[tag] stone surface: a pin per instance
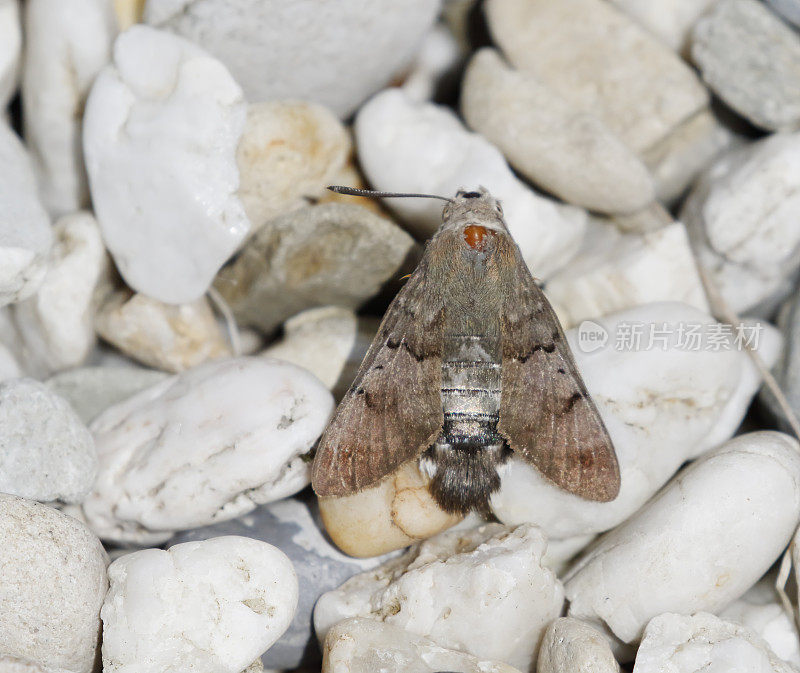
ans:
(787, 368)
(289, 153)
(293, 526)
(57, 323)
(412, 147)
(663, 403)
(10, 49)
(54, 581)
(367, 645)
(204, 446)
(699, 544)
(128, 12)
(788, 9)
(92, 390)
(312, 50)
(320, 340)
(669, 20)
(395, 513)
(214, 605)
(482, 591)
(615, 271)
(164, 336)
(46, 452)
(161, 128)
(760, 611)
(751, 59)
(25, 235)
(703, 643)
(67, 42)
(564, 150)
(743, 218)
(15, 665)
(679, 158)
(604, 64)
(570, 646)
(437, 59)
(325, 254)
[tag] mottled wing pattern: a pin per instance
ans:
(546, 414)
(393, 410)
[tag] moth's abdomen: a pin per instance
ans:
(463, 459)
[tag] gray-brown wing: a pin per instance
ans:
(393, 410)
(546, 414)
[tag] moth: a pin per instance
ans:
(470, 365)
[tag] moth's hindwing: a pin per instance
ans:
(393, 410)
(546, 414)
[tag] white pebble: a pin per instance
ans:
(661, 406)
(615, 271)
(54, 581)
(704, 643)
(743, 217)
(204, 446)
(67, 42)
(367, 645)
(25, 235)
(483, 592)
(214, 605)
(57, 323)
(699, 544)
(10, 49)
(161, 129)
(334, 54)
(46, 452)
(571, 646)
(420, 147)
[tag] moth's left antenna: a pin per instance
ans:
(352, 191)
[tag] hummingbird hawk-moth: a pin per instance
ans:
(469, 365)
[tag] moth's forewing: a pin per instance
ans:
(546, 414)
(393, 410)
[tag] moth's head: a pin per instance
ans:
(477, 215)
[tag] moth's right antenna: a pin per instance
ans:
(352, 191)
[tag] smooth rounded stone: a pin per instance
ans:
(25, 233)
(318, 255)
(54, 582)
(420, 147)
(751, 60)
(564, 150)
(294, 527)
(570, 646)
(57, 323)
(46, 452)
(336, 55)
(289, 153)
(743, 218)
(10, 49)
(703, 643)
(681, 156)
(319, 340)
(67, 42)
(663, 403)
(92, 390)
(760, 611)
(699, 544)
(669, 20)
(172, 337)
(214, 605)
(395, 513)
(368, 645)
(204, 446)
(438, 57)
(604, 64)
(160, 133)
(788, 9)
(481, 591)
(787, 368)
(614, 271)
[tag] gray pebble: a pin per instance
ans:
(788, 9)
(787, 369)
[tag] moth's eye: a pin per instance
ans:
(499, 209)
